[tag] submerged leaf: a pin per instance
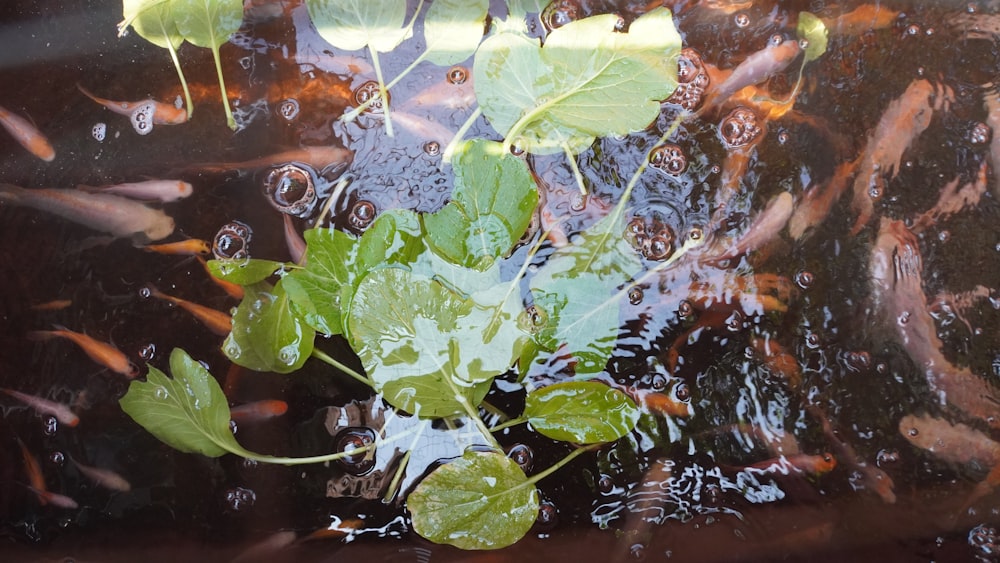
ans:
(587, 81)
(814, 32)
(267, 335)
(189, 412)
(490, 207)
(453, 29)
(479, 501)
(585, 412)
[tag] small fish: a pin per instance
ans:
(869, 476)
(27, 134)
(815, 204)
(44, 406)
(36, 480)
(764, 228)
(953, 199)
(148, 190)
(258, 410)
(319, 158)
(163, 114)
(818, 464)
(103, 477)
(55, 499)
(101, 352)
(54, 305)
(338, 529)
(657, 402)
(459, 94)
(234, 290)
(216, 321)
(119, 216)
(864, 18)
(424, 128)
(296, 246)
(755, 69)
(190, 246)
(778, 360)
(266, 549)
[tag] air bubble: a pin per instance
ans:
(979, 134)
(682, 392)
(913, 432)
(804, 279)
(578, 202)
(232, 242)
(291, 189)
(742, 20)
(740, 127)
(775, 40)
(432, 148)
(147, 351)
(734, 322)
(142, 118)
(783, 137)
(913, 29)
(57, 458)
(903, 318)
(685, 310)
(350, 439)
(458, 75)
(367, 91)
(362, 214)
(635, 295)
(51, 426)
(548, 516)
(886, 457)
(985, 542)
(669, 159)
(523, 456)
(692, 80)
(288, 109)
(516, 150)
(605, 484)
(240, 498)
(559, 13)
(660, 248)
(99, 131)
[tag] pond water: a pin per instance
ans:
(818, 382)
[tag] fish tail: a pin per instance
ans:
(11, 193)
(41, 335)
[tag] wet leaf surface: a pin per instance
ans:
(244, 272)
(453, 30)
(584, 412)
(267, 335)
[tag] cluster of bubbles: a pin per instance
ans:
(240, 498)
(458, 75)
(740, 127)
(99, 131)
(692, 80)
(232, 242)
(366, 92)
(142, 118)
(655, 241)
(669, 159)
(348, 441)
(362, 215)
(985, 543)
(559, 13)
(291, 189)
(288, 109)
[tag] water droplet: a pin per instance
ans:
(635, 295)
(913, 29)
(913, 432)
(605, 484)
(233, 427)
(804, 279)
(742, 20)
(516, 150)
(147, 351)
(669, 159)
(350, 439)
(99, 131)
(903, 318)
(288, 109)
(366, 92)
(523, 456)
(291, 189)
(161, 393)
(232, 242)
(548, 516)
(783, 137)
(432, 148)
(362, 214)
(739, 128)
(775, 40)
(944, 235)
(682, 392)
(979, 134)
(637, 551)
(240, 498)
(57, 458)
(51, 425)
(458, 75)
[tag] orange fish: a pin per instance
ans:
(103, 477)
(234, 290)
(55, 305)
(27, 134)
(44, 406)
(147, 190)
(185, 247)
(296, 245)
(35, 478)
(163, 114)
(101, 352)
(216, 321)
(804, 463)
(258, 410)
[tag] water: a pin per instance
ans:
(781, 351)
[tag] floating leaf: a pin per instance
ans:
(479, 501)
(208, 24)
(490, 207)
(585, 412)
(395, 238)
(317, 290)
(244, 272)
(154, 22)
(814, 32)
(189, 412)
(267, 335)
(453, 30)
(421, 343)
(587, 81)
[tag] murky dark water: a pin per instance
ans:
(787, 349)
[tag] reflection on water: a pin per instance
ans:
(843, 300)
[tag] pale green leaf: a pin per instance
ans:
(812, 29)
(207, 23)
(153, 21)
(585, 412)
(480, 501)
(355, 24)
(453, 30)
(189, 412)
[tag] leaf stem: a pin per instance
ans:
(323, 357)
(570, 457)
(509, 423)
(230, 121)
(320, 458)
(571, 158)
(382, 91)
(459, 135)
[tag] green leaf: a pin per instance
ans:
(479, 501)
(317, 291)
(421, 343)
(585, 412)
(453, 30)
(244, 272)
(355, 24)
(587, 81)
(267, 335)
(154, 22)
(189, 412)
(209, 23)
(490, 207)
(811, 29)
(394, 239)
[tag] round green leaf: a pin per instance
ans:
(207, 23)
(479, 501)
(585, 412)
(814, 32)
(244, 272)
(267, 335)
